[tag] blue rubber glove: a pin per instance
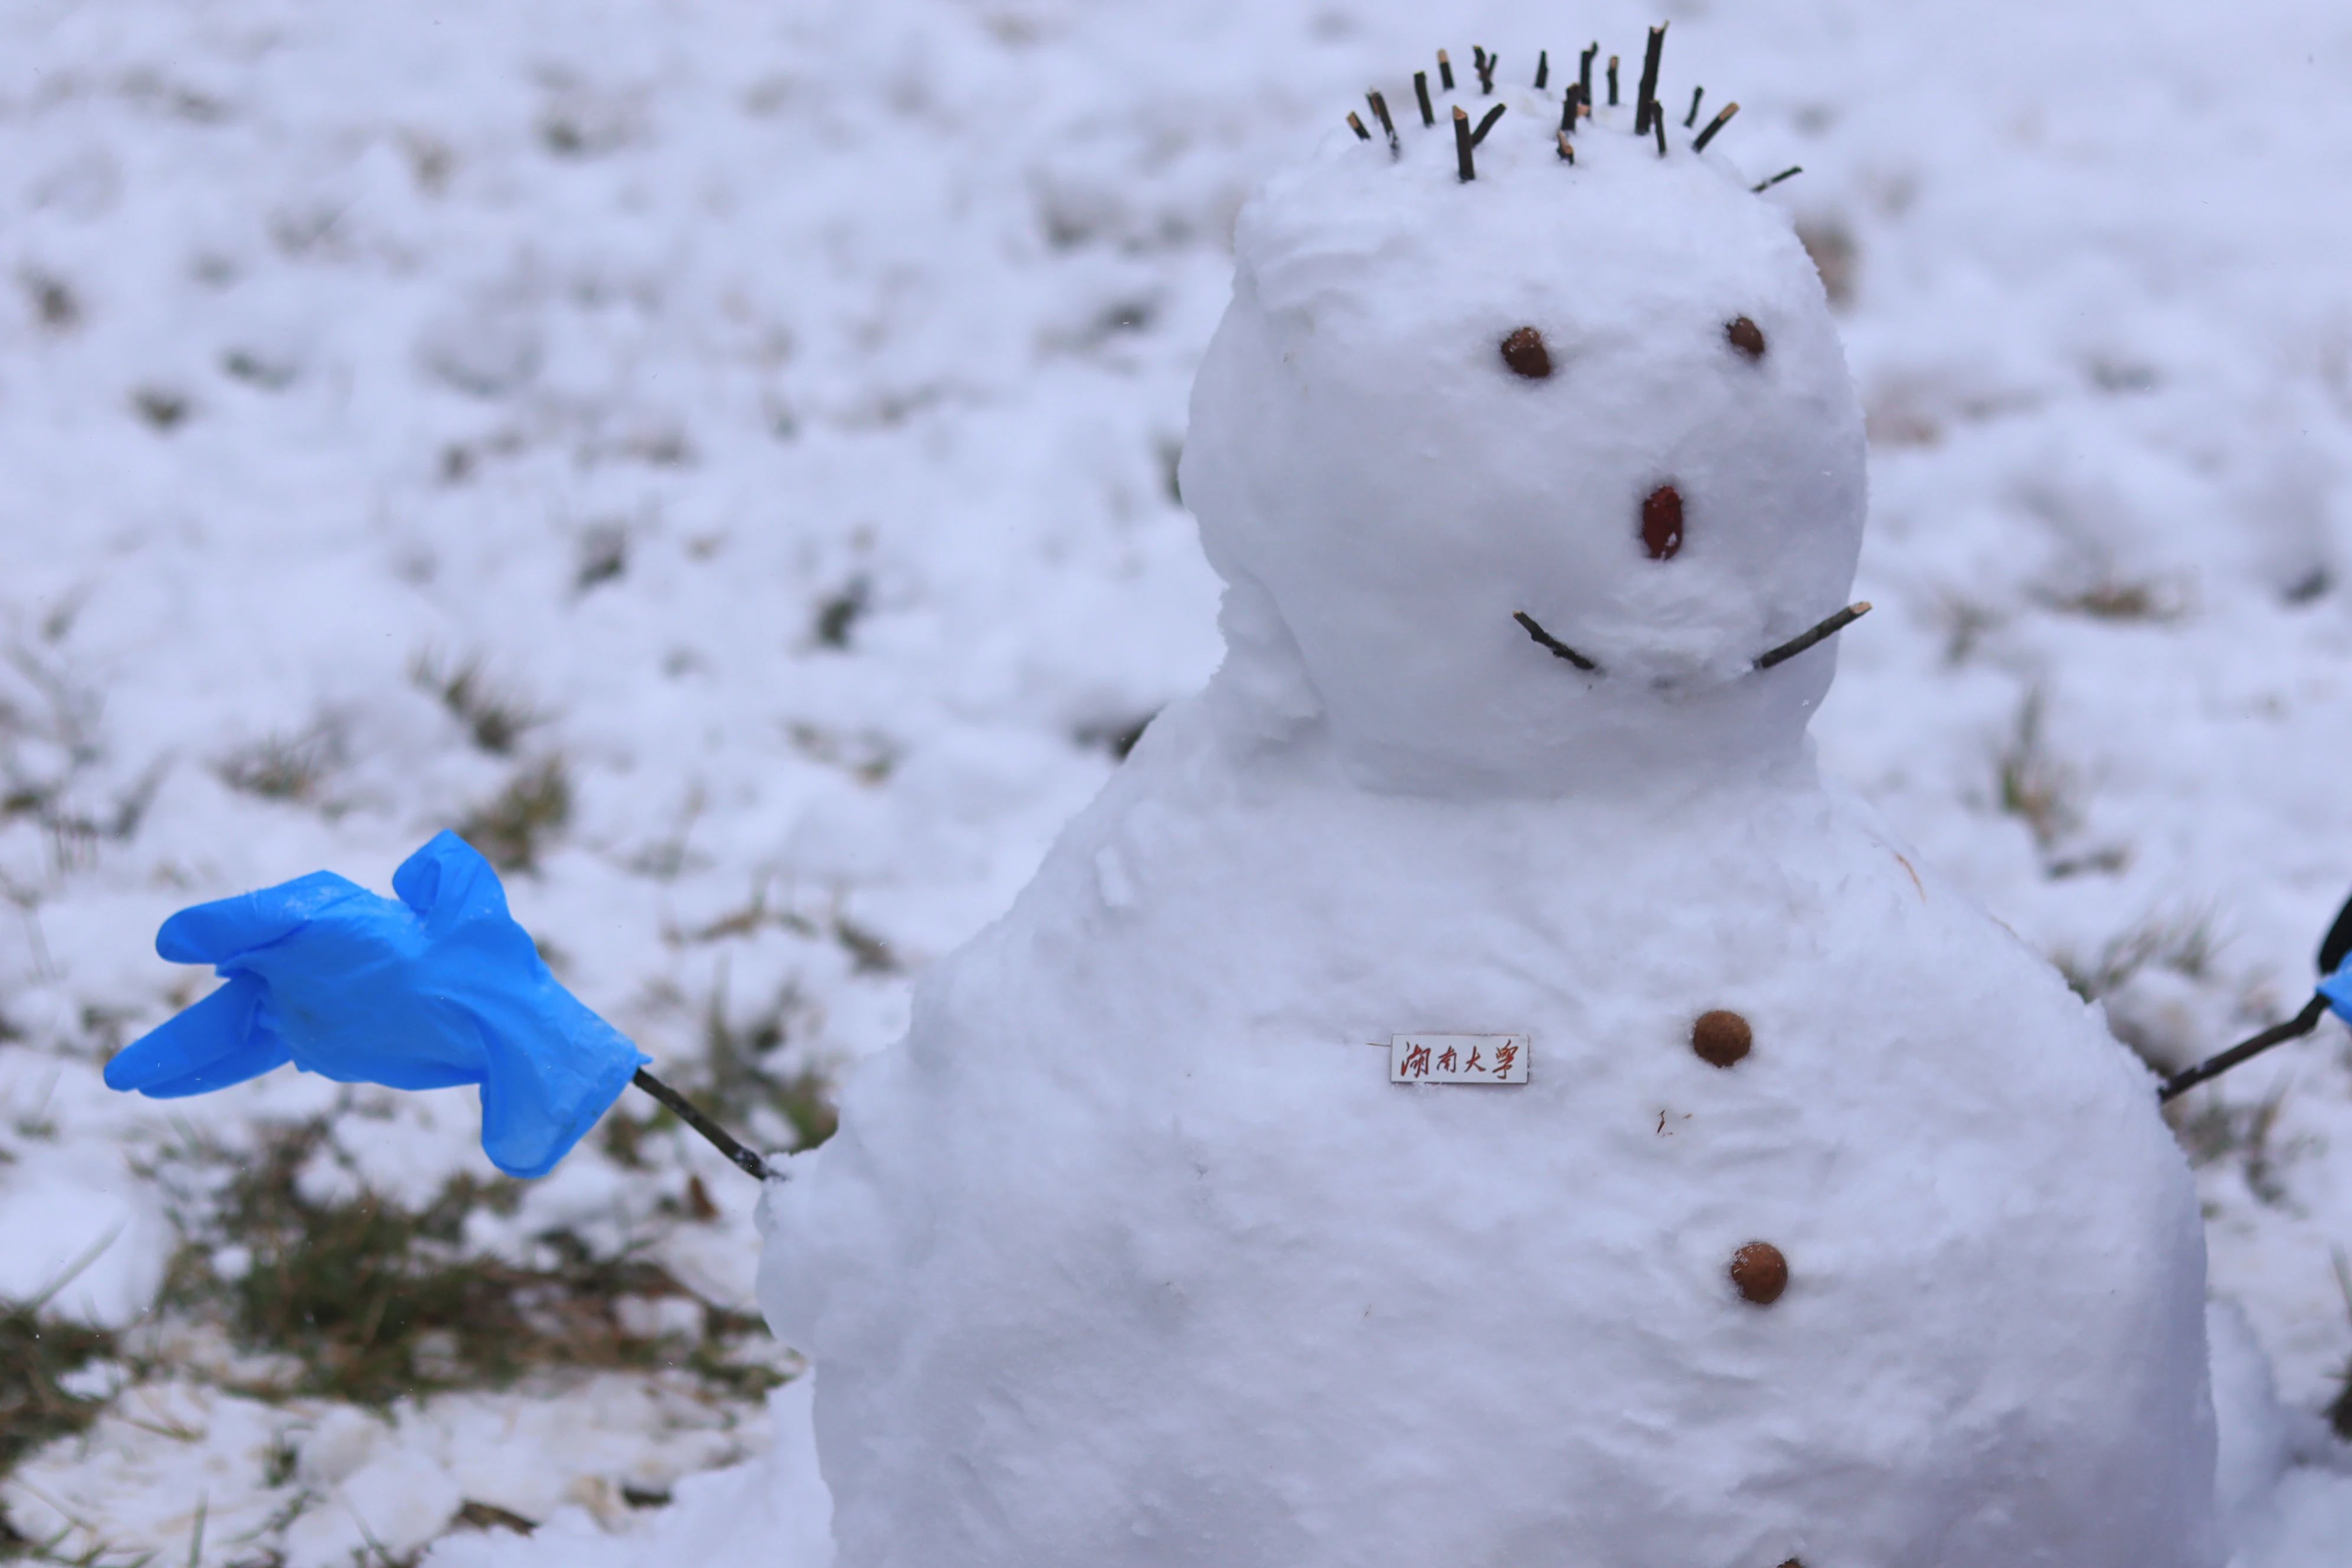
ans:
(440, 988)
(2337, 989)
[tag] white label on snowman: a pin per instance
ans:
(1458, 1059)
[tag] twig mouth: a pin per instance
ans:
(1558, 648)
(1829, 627)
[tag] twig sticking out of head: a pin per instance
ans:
(1584, 74)
(1658, 128)
(1445, 71)
(1822, 633)
(1355, 124)
(1486, 124)
(1486, 70)
(1722, 118)
(1381, 113)
(1790, 172)
(1543, 70)
(1692, 118)
(1612, 81)
(1645, 98)
(1462, 145)
(1566, 151)
(1558, 648)
(1568, 110)
(1421, 91)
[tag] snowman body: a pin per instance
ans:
(1137, 1252)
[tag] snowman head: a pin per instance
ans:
(1593, 399)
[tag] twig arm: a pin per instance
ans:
(2295, 1029)
(688, 1112)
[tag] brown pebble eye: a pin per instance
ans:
(1662, 522)
(1525, 353)
(1747, 337)
(1721, 1038)
(1759, 1273)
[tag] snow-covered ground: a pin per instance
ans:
(723, 455)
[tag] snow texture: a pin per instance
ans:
(776, 407)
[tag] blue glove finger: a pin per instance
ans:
(261, 1052)
(448, 880)
(212, 1040)
(2337, 989)
(554, 1069)
(218, 932)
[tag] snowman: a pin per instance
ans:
(1467, 1092)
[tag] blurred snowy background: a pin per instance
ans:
(719, 457)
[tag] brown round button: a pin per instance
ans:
(1525, 353)
(1747, 337)
(1721, 1038)
(1760, 1272)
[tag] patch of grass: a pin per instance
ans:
(36, 1354)
(736, 1084)
(496, 719)
(285, 767)
(2149, 601)
(2034, 787)
(869, 756)
(869, 952)
(603, 556)
(513, 828)
(164, 409)
(2339, 1409)
(1835, 256)
(838, 617)
(54, 304)
(373, 1301)
(257, 370)
(2184, 943)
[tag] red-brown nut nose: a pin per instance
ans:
(1662, 522)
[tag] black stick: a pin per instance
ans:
(1486, 124)
(1612, 81)
(686, 1112)
(1568, 110)
(1566, 148)
(1692, 118)
(1584, 74)
(1462, 145)
(1381, 113)
(1421, 91)
(1445, 71)
(1658, 128)
(1486, 71)
(1543, 70)
(1790, 172)
(1722, 118)
(2295, 1029)
(1822, 633)
(1355, 124)
(1645, 98)
(1560, 649)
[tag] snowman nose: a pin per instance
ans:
(1662, 522)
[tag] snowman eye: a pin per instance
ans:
(1525, 353)
(1746, 336)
